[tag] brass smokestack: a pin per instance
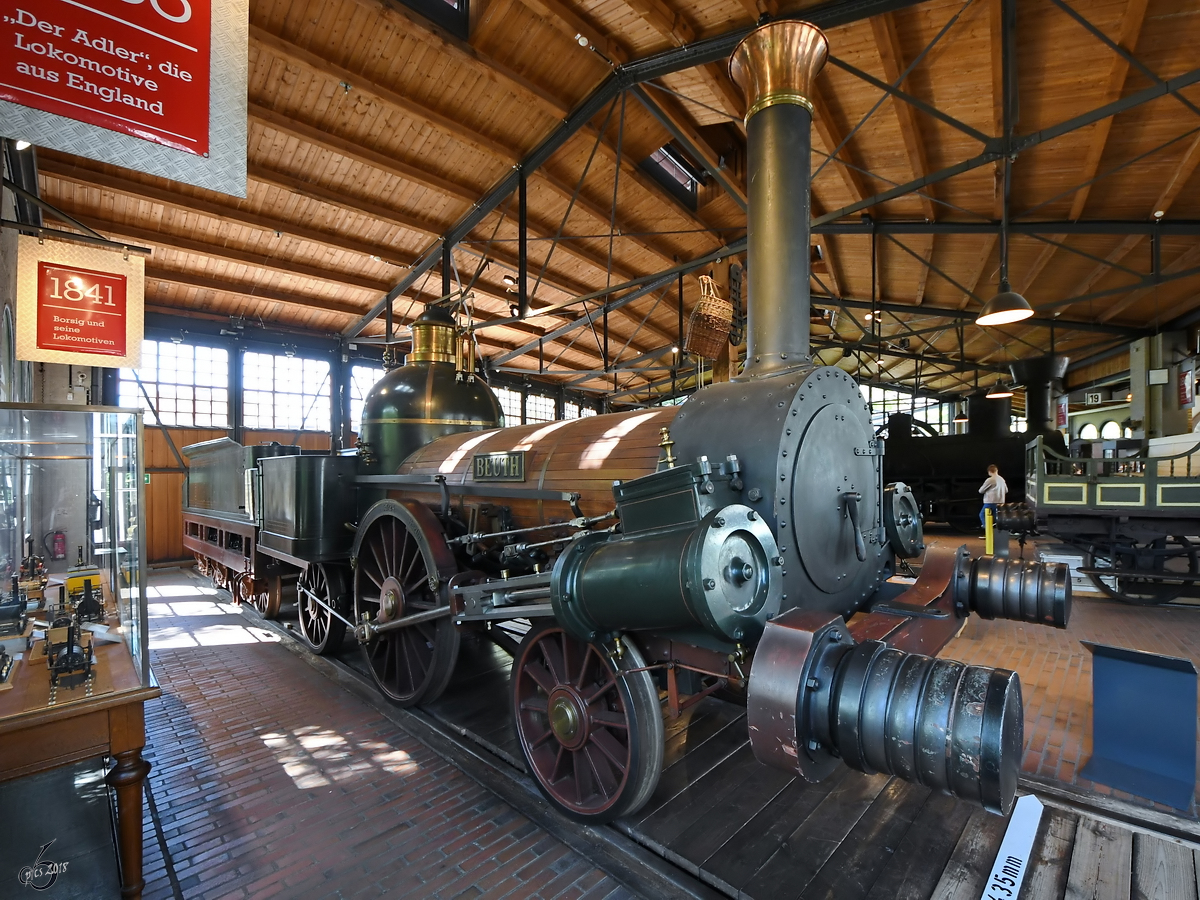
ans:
(775, 66)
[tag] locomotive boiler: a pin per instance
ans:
(742, 542)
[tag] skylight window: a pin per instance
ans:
(670, 168)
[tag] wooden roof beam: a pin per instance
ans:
(1182, 172)
(254, 292)
(831, 137)
(630, 171)
(302, 57)
(1179, 177)
(887, 41)
(554, 9)
(463, 52)
(334, 144)
(1127, 36)
(271, 263)
(666, 21)
(1187, 260)
(466, 193)
(325, 140)
(92, 178)
(573, 24)
(292, 298)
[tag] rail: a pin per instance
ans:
(1163, 484)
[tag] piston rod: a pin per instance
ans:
(366, 630)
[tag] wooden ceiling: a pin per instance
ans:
(372, 132)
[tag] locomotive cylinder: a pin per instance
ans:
(817, 697)
(1021, 590)
(722, 576)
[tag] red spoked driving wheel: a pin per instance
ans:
(589, 724)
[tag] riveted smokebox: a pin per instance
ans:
(775, 66)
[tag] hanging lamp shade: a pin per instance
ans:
(1007, 306)
(961, 415)
(999, 391)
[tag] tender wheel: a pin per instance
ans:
(401, 563)
(256, 592)
(1143, 572)
(321, 629)
(270, 594)
(592, 738)
(202, 564)
(219, 575)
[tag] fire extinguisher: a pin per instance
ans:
(55, 543)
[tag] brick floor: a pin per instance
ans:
(270, 781)
(1056, 673)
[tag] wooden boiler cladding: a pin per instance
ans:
(581, 455)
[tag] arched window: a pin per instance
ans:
(1110, 431)
(1089, 432)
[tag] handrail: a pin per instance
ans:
(1051, 452)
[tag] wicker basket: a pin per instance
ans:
(709, 324)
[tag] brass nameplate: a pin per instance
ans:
(504, 466)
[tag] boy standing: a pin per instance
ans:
(994, 490)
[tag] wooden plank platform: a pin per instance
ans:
(755, 833)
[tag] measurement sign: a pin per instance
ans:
(1012, 860)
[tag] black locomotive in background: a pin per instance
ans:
(944, 472)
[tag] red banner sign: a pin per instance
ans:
(80, 310)
(135, 66)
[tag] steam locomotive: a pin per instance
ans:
(944, 471)
(722, 545)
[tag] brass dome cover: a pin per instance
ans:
(434, 335)
(777, 64)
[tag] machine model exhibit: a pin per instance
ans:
(68, 651)
(721, 545)
(13, 615)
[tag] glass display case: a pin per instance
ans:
(71, 541)
(74, 653)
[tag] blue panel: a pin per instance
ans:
(1143, 724)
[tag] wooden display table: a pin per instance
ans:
(81, 724)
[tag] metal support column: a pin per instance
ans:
(339, 395)
(237, 407)
(522, 247)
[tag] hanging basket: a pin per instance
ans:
(709, 324)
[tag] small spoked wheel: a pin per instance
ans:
(1144, 574)
(589, 725)
(322, 589)
(269, 594)
(401, 562)
(202, 564)
(219, 575)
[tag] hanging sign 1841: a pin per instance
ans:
(78, 304)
